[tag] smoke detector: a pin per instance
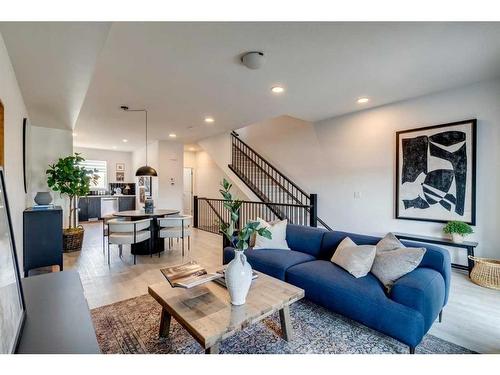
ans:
(253, 60)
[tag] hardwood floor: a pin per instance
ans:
(471, 318)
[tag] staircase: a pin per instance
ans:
(284, 198)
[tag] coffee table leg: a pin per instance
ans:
(165, 323)
(214, 349)
(286, 324)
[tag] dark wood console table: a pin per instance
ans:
(468, 245)
(58, 319)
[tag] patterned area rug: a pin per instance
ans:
(132, 326)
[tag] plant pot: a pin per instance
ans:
(457, 238)
(238, 278)
(73, 239)
(43, 198)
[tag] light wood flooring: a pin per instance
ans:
(471, 318)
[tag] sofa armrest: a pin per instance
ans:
(423, 290)
(437, 259)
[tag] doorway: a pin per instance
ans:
(187, 194)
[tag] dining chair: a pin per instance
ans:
(105, 220)
(176, 226)
(122, 232)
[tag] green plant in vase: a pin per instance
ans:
(458, 230)
(238, 274)
(69, 178)
(241, 240)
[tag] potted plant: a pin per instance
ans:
(238, 274)
(69, 178)
(458, 230)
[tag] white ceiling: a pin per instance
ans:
(182, 72)
(54, 63)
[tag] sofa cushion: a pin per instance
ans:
(305, 239)
(360, 299)
(273, 262)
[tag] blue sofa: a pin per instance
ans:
(406, 313)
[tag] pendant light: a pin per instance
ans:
(145, 170)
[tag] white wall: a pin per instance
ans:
(112, 158)
(14, 112)
(356, 153)
(170, 175)
(219, 149)
(208, 177)
(47, 145)
(168, 159)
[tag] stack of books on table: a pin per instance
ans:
(188, 275)
(222, 279)
(43, 206)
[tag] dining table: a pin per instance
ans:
(156, 244)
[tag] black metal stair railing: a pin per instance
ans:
(270, 185)
(208, 213)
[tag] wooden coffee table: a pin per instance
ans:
(207, 314)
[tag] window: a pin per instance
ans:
(102, 171)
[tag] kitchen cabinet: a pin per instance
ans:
(126, 203)
(83, 209)
(94, 208)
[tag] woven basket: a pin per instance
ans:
(486, 272)
(73, 239)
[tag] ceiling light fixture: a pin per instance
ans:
(145, 170)
(75, 134)
(124, 140)
(277, 89)
(209, 120)
(172, 135)
(363, 100)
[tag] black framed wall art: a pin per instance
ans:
(436, 173)
(12, 306)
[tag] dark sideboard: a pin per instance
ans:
(42, 238)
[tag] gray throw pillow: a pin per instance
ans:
(391, 262)
(389, 242)
(357, 260)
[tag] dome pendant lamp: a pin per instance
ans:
(145, 170)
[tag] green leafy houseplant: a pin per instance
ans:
(458, 227)
(241, 239)
(69, 178)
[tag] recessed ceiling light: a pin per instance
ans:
(363, 100)
(192, 149)
(209, 120)
(172, 135)
(75, 134)
(277, 89)
(124, 140)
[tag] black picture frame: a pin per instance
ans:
(18, 330)
(25, 156)
(473, 154)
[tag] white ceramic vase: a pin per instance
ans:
(238, 278)
(457, 238)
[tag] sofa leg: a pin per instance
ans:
(440, 316)
(412, 350)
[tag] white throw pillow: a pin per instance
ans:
(357, 260)
(278, 234)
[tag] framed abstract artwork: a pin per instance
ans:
(436, 173)
(120, 167)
